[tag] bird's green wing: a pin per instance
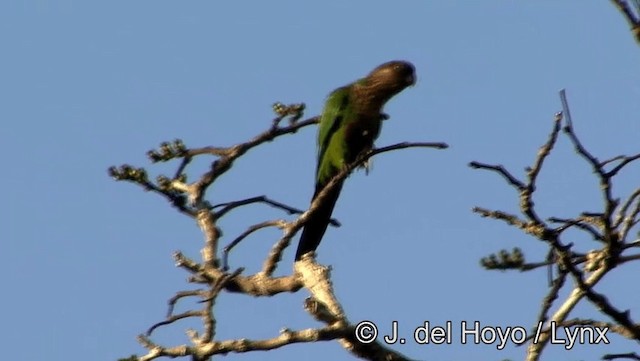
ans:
(331, 155)
(331, 142)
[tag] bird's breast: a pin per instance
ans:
(361, 134)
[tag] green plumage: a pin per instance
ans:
(349, 124)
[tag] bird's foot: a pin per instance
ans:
(368, 166)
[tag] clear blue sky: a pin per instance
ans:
(85, 85)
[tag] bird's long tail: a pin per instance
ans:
(316, 226)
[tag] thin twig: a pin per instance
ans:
(228, 206)
(173, 319)
(625, 161)
(517, 184)
(578, 223)
(182, 294)
(269, 265)
(628, 356)
(630, 16)
(225, 252)
(551, 296)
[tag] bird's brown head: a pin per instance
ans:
(390, 78)
(397, 72)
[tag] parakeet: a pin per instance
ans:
(349, 124)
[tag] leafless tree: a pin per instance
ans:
(211, 272)
(611, 227)
(630, 9)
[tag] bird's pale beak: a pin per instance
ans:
(411, 80)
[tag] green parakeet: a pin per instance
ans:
(349, 124)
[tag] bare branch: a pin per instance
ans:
(173, 319)
(622, 213)
(527, 227)
(602, 303)
(600, 324)
(517, 184)
(625, 161)
(208, 319)
(544, 152)
(255, 285)
(629, 258)
(261, 199)
(580, 149)
(207, 223)
(373, 351)
(276, 223)
(229, 155)
(180, 295)
(615, 356)
(631, 219)
(603, 177)
(587, 322)
(551, 296)
(578, 223)
(630, 16)
(326, 308)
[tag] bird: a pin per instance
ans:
(349, 124)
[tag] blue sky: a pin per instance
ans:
(85, 85)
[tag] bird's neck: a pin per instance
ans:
(370, 98)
